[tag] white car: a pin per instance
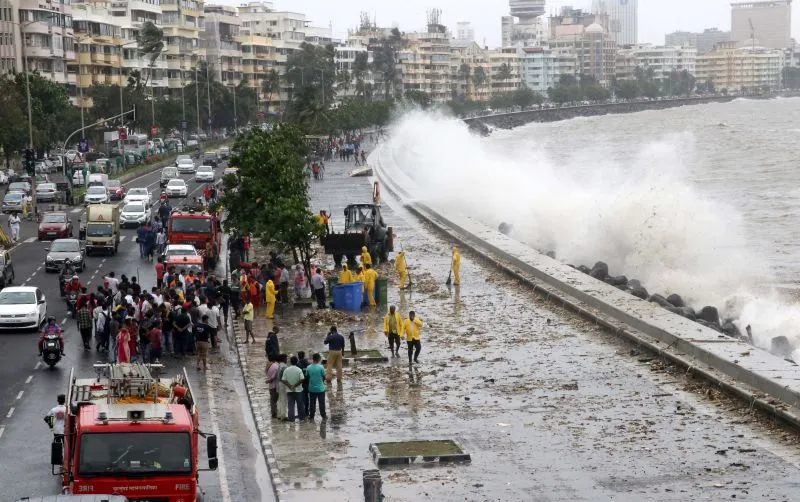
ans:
(133, 213)
(204, 173)
(186, 166)
(179, 250)
(224, 152)
(176, 188)
(96, 195)
(138, 195)
(22, 307)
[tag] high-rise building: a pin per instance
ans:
(660, 60)
(703, 42)
(219, 38)
(542, 67)
(595, 52)
(735, 68)
(771, 20)
(624, 19)
(571, 22)
(465, 31)
(529, 30)
(424, 62)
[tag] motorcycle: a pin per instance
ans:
(51, 349)
(72, 299)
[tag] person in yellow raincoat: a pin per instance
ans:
(345, 275)
(400, 266)
(455, 266)
(411, 330)
(270, 295)
(370, 276)
(366, 258)
(358, 276)
(393, 329)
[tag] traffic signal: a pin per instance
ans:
(30, 160)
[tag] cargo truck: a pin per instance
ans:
(102, 228)
(129, 433)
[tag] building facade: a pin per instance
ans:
(661, 60)
(465, 31)
(595, 53)
(542, 67)
(220, 40)
(472, 56)
(425, 63)
(703, 41)
(623, 19)
(741, 68)
(771, 21)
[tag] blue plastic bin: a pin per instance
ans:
(347, 296)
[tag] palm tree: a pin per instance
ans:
(343, 79)
(504, 72)
(271, 83)
(464, 74)
(150, 41)
(360, 69)
(479, 77)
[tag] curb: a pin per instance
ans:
(261, 414)
(640, 332)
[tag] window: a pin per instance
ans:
(152, 453)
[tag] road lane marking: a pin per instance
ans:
(2, 430)
(122, 237)
(30, 239)
(28, 380)
(38, 365)
(76, 210)
(38, 268)
(64, 320)
(10, 412)
(19, 394)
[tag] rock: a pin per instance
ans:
(599, 271)
(713, 325)
(634, 284)
(731, 330)
(688, 312)
(781, 347)
(609, 280)
(675, 300)
(551, 254)
(584, 269)
(620, 280)
(640, 292)
(660, 300)
(709, 314)
(504, 228)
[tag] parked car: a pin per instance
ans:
(176, 188)
(133, 213)
(12, 202)
(22, 307)
(96, 195)
(46, 192)
(62, 250)
(204, 174)
(55, 225)
(116, 190)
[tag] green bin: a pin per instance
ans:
(381, 291)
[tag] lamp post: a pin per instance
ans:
(208, 95)
(235, 117)
(197, 97)
(121, 104)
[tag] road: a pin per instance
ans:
(29, 388)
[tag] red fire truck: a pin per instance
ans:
(132, 434)
(194, 227)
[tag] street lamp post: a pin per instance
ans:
(197, 97)
(121, 104)
(208, 91)
(235, 117)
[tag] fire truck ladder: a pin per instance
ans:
(128, 380)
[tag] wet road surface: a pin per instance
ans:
(29, 390)
(549, 406)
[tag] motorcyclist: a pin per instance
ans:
(67, 271)
(163, 196)
(73, 286)
(51, 328)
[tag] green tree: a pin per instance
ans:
(312, 69)
(270, 196)
(13, 137)
(558, 94)
(627, 89)
(418, 97)
(344, 78)
(384, 62)
(596, 93)
(464, 73)
(524, 97)
(567, 80)
(360, 70)
(150, 42)
(271, 84)
(479, 77)
(52, 114)
(504, 72)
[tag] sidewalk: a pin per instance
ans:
(549, 406)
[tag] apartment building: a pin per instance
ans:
(660, 59)
(469, 53)
(595, 52)
(220, 40)
(542, 67)
(425, 63)
(345, 59)
(743, 67)
(497, 58)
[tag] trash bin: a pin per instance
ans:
(348, 296)
(332, 281)
(381, 291)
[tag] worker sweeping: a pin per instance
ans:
(270, 295)
(366, 258)
(370, 276)
(345, 276)
(400, 266)
(455, 266)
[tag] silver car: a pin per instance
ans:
(46, 192)
(134, 213)
(204, 173)
(96, 195)
(62, 250)
(12, 202)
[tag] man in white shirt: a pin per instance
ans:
(56, 418)
(13, 224)
(113, 283)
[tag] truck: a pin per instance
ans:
(130, 433)
(102, 228)
(99, 179)
(194, 226)
(363, 226)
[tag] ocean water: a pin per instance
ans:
(701, 200)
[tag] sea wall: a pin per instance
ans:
(516, 119)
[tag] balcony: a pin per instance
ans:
(175, 83)
(85, 81)
(38, 52)
(84, 58)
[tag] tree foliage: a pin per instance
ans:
(269, 198)
(311, 69)
(384, 63)
(420, 98)
(53, 115)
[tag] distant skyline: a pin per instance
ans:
(656, 17)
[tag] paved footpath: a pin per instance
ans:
(549, 406)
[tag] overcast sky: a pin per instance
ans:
(656, 17)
